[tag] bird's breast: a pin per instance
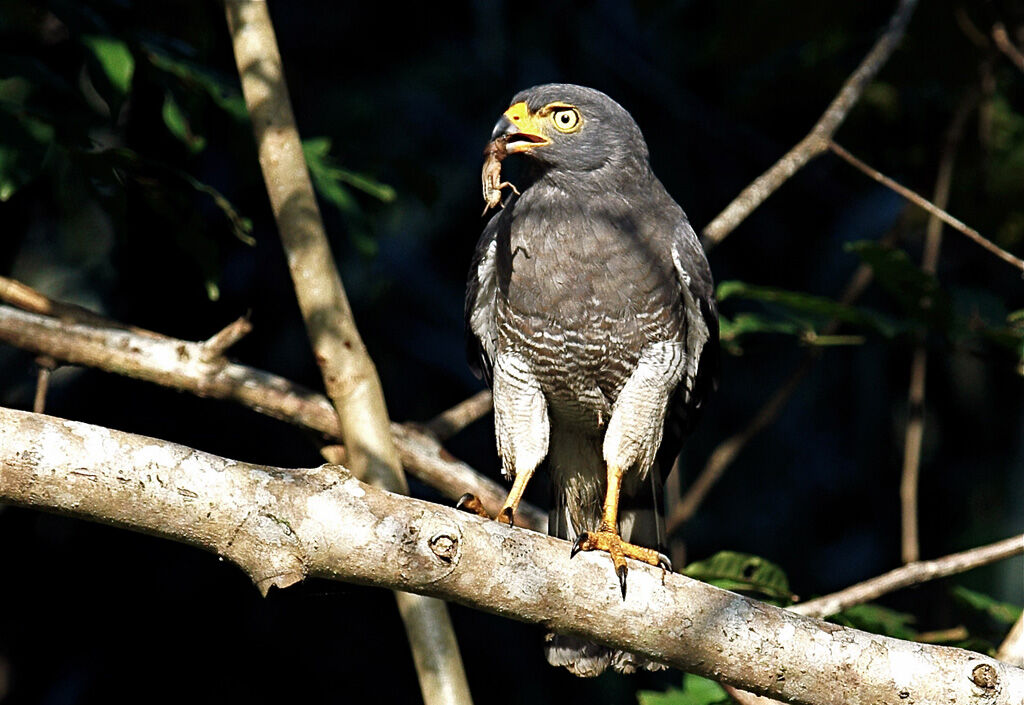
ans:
(580, 301)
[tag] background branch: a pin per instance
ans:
(1012, 649)
(451, 421)
(818, 138)
(282, 525)
(728, 450)
(350, 377)
(185, 366)
(930, 207)
(911, 574)
(914, 435)
(1006, 45)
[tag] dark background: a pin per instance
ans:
(408, 94)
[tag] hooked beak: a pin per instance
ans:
(524, 130)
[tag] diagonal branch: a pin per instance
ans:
(1002, 39)
(282, 525)
(1012, 649)
(727, 451)
(818, 138)
(911, 574)
(930, 207)
(186, 366)
(451, 421)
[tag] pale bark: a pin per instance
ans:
(349, 374)
(187, 366)
(282, 525)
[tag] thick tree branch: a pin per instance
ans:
(282, 525)
(818, 138)
(349, 374)
(186, 366)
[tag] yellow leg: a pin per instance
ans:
(506, 515)
(508, 509)
(607, 537)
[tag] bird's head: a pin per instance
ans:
(570, 129)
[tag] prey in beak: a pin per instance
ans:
(518, 130)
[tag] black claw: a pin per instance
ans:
(507, 514)
(468, 497)
(664, 563)
(622, 571)
(577, 545)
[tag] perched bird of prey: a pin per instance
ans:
(590, 311)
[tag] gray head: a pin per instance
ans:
(572, 129)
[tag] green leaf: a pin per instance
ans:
(317, 152)
(115, 58)
(1000, 611)
(179, 126)
(222, 91)
(25, 143)
(916, 291)
(876, 619)
(695, 691)
(741, 571)
(798, 305)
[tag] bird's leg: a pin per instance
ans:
(607, 537)
(521, 429)
(469, 502)
(508, 510)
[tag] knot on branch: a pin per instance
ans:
(985, 676)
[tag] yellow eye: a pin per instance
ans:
(566, 119)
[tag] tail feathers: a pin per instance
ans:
(641, 522)
(587, 660)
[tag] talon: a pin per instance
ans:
(469, 502)
(622, 571)
(506, 516)
(577, 545)
(664, 563)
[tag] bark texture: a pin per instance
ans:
(281, 525)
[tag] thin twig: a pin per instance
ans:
(449, 422)
(726, 452)
(349, 374)
(45, 366)
(1003, 41)
(905, 576)
(911, 574)
(817, 139)
(930, 207)
(910, 477)
(180, 364)
(219, 343)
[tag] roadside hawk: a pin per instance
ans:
(590, 311)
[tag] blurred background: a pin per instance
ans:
(129, 184)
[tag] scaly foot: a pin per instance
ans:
(609, 541)
(469, 502)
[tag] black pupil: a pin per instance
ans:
(564, 117)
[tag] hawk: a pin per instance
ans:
(590, 312)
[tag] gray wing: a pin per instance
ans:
(481, 291)
(700, 378)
